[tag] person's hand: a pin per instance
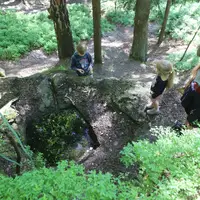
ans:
(81, 71)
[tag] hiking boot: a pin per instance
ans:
(178, 127)
(153, 111)
(148, 107)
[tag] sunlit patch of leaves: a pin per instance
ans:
(169, 167)
(21, 33)
(189, 61)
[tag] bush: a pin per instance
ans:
(126, 4)
(169, 167)
(16, 36)
(121, 17)
(189, 61)
(183, 20)
(68, 181)
(20, 33)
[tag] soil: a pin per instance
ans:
(116, 63)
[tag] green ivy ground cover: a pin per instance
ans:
(20, 33)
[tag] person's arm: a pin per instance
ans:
(90, 64)
(74, 67)
(90, 60)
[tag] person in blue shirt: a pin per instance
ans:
(81, 61)
(164, 79)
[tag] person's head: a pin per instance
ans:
(81, 48)
(165, 71)
(196, 74)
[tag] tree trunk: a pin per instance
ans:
(140, 40)
(59, 14)
(96, 7)
(198, 51)
(162, 32)
(16, 148)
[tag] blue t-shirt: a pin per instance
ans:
(81, 62)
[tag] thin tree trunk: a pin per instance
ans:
(16, 148)
(189, 44)
(162, 32)
(96, 7)
(59, 14)
(140, 40)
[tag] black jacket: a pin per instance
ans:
(158, 86)
(191, 102)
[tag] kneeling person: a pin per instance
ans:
(81, 61)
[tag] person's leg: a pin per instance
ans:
(192, 119)
(150, 105)
(155, 106)
(188, 125)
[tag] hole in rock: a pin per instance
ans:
(60, 136)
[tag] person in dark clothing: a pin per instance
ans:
(164, 79)
(81, 61)
(191, 98)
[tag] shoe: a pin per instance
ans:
(153, 111)
(178, 127)
(147, 107)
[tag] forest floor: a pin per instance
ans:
(116, 63)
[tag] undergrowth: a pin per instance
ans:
(20, 33)
(168, 169)
(121, 17)
(189, 61)
(183, 19)
(68, 181)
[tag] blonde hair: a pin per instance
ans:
(81, 48)
(193, 75)
(165, 68)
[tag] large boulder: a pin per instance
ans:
(43, 94)
(97, 100)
